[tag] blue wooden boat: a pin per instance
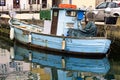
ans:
(47, 59)
(64, 34)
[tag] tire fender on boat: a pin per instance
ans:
(30, 38)
(30, 56)
(63, 62)
(12, 52)
(63, 44)
(11, 33)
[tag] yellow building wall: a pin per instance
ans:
(84, 3)
(42, 74)
(65, 1)
(36, 7)
(49, 3)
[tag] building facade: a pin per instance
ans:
(36, 5)
(86, 3)
(24, 5)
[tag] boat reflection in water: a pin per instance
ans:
(57, 67)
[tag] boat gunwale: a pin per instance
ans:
(60, 36)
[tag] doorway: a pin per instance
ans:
(44, 3)
(16, 3)
(54, 21)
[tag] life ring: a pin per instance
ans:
(67, 6)
(11, 33)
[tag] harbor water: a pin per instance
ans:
(18, 62)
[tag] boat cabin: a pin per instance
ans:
(66, 21)
(65, 18)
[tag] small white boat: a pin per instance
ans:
(64, 34)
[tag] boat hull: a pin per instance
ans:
(84, 47)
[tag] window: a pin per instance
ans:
(112, 5)
(101, 6)
(2, 2)
(71, 13)
(55, 13)
(118, 4)
(16, 3)
(38, 1)
(34, 1)
(44, 3)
